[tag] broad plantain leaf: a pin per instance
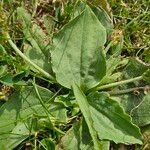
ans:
(106, 118)
(78, 54)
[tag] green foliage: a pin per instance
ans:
(37, 45)
(104, 115)
(78, 51)
(23, 105)
(104, 18)
(66, 81)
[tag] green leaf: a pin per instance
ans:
(104, 19)
(78, 138)
(22, 105)
(141, 113)
(18, 135)
(84, 106)
(38, 49)
(110, 79)
(110, 118)
(38, 58)
(7, 79)
(111, 74)
(106, 118)
(131, 100)
(78, 54)
(25, 16)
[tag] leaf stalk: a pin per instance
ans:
(43, 72)
(107, 86)
(119, 92)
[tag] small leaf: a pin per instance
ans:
(111, 75)
(78, 54)
(25, 16)
(38, 58)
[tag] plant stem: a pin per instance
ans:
(46, 74)
(42, 103)
(118, 92)
(118, 83)
(45, 108)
